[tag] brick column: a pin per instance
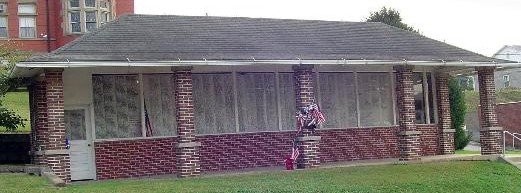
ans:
(408, 136)
(490, 134)
(307, 142)
(187, 149)
(49, 130)
(446, 138)
(38, 106)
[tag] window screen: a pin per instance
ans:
(214, 103)
(338, 99)
(287, 101)
(257, 102)
(117, 111)
(375, 97)
(75, 126)
(159, 97)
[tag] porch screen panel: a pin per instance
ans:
(117, 111)
(375, 97)
(257, 102)
(214, 103)
(338, 102)
(287, 101)
(159, 94)
(419, 100)
(75, 127)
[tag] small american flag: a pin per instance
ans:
(295, 153)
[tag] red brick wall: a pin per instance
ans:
(144, 157)
(134, 158)
(58, 38)
(238, 151)
(358, 143)
(429, 139)
(508, 118)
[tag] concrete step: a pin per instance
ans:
(514, 159)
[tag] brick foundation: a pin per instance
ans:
(446, 138)
(429, 139)
(187, 149)
(358, 144)
(248, 150)
(490, 134)
(409, 137)
(135, 158)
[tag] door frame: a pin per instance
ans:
(89, 133)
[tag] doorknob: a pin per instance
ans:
(88, 144)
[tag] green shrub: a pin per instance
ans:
(458, 109)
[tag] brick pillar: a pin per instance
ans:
(307, 142)
(187, 149)
(408, 136)
(49, 130)
(446, 137)
(490, 134)
(38, 106)
(56, 153)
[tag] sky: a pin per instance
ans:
(482, 26)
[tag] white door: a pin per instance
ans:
(77, 125)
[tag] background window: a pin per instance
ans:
(3, 8)
(26, 9)
(116, 106)
(338, 99)
(90, 20)
(159, 98)
(214, 103)
(257, 102)
(75, 21)
(27, 27)
(376, 101)
(90, 3)
(506, 81)
(74, 3)
(3, 26)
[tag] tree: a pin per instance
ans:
(390, 17)
(9, 56)
(458, 111)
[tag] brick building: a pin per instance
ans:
(187, 95)
(45, 25)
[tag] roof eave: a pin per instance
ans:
(17, 71)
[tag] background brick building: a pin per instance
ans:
(45, 25)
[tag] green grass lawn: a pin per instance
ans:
(510, 152)
(471, 176)
(19, 103)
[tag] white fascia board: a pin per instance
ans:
(19, 68)
(252, 62)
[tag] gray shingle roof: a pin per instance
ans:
(171, 37)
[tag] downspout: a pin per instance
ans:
(48, 26)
